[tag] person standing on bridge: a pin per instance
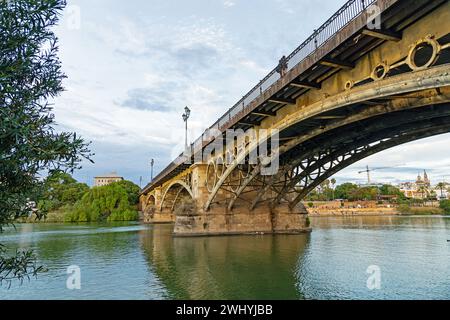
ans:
(282, 66)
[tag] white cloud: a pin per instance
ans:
(253, 66)
(285, 6)
(130, 90)
(229, 3)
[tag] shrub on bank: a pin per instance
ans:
(113, 202)
(127, 215)
(421, 211)
(59, 190)
(445, 206)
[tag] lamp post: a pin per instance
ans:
(152, 162)
(186, 114)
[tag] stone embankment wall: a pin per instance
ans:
(359, 208)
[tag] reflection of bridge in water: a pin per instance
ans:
(225, 267)
(353, 89)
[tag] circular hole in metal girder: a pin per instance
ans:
(380, 72)
(349, 85)
(423, 54)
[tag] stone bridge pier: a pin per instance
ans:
(182, 202)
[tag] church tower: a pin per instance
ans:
(425, 178)
(419, 179)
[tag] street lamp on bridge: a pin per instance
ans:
(152, 162)
(186, 114)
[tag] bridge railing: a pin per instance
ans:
(348, 12)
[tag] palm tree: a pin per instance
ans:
(323, 186)
(333, 184)
(422, 190)
(326, 187)
(441, 186)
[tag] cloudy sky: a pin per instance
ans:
(134, 65)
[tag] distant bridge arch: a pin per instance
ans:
(172, 194)
(151, 200)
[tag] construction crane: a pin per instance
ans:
(368, 171)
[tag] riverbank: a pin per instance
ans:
(420, 211)
(51, 217)
(61, 216)
(367, 208)
(315, 209)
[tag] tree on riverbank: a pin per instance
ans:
(114, 202)
(353, 192)
(445, 206)
(30, 75)
(60, 190)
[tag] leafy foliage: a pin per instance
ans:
(132, 191)
(114, 202)
(445, 206)
(20, 266)
(388, 190)
(407, 209)
(30, 76)
(60, 189)
(346, 191)
(353, 192)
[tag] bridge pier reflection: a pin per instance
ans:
(261, 267)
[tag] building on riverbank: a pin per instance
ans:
(420, 189)
(107, 179)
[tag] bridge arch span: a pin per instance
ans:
(312, 168)
(151, 200)
(148, 204)
(402, 96)
(421, 133)
(173, 193)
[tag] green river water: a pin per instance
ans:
(133, 261)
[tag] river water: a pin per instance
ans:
(409, 255)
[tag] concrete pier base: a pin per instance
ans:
(261, 221)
